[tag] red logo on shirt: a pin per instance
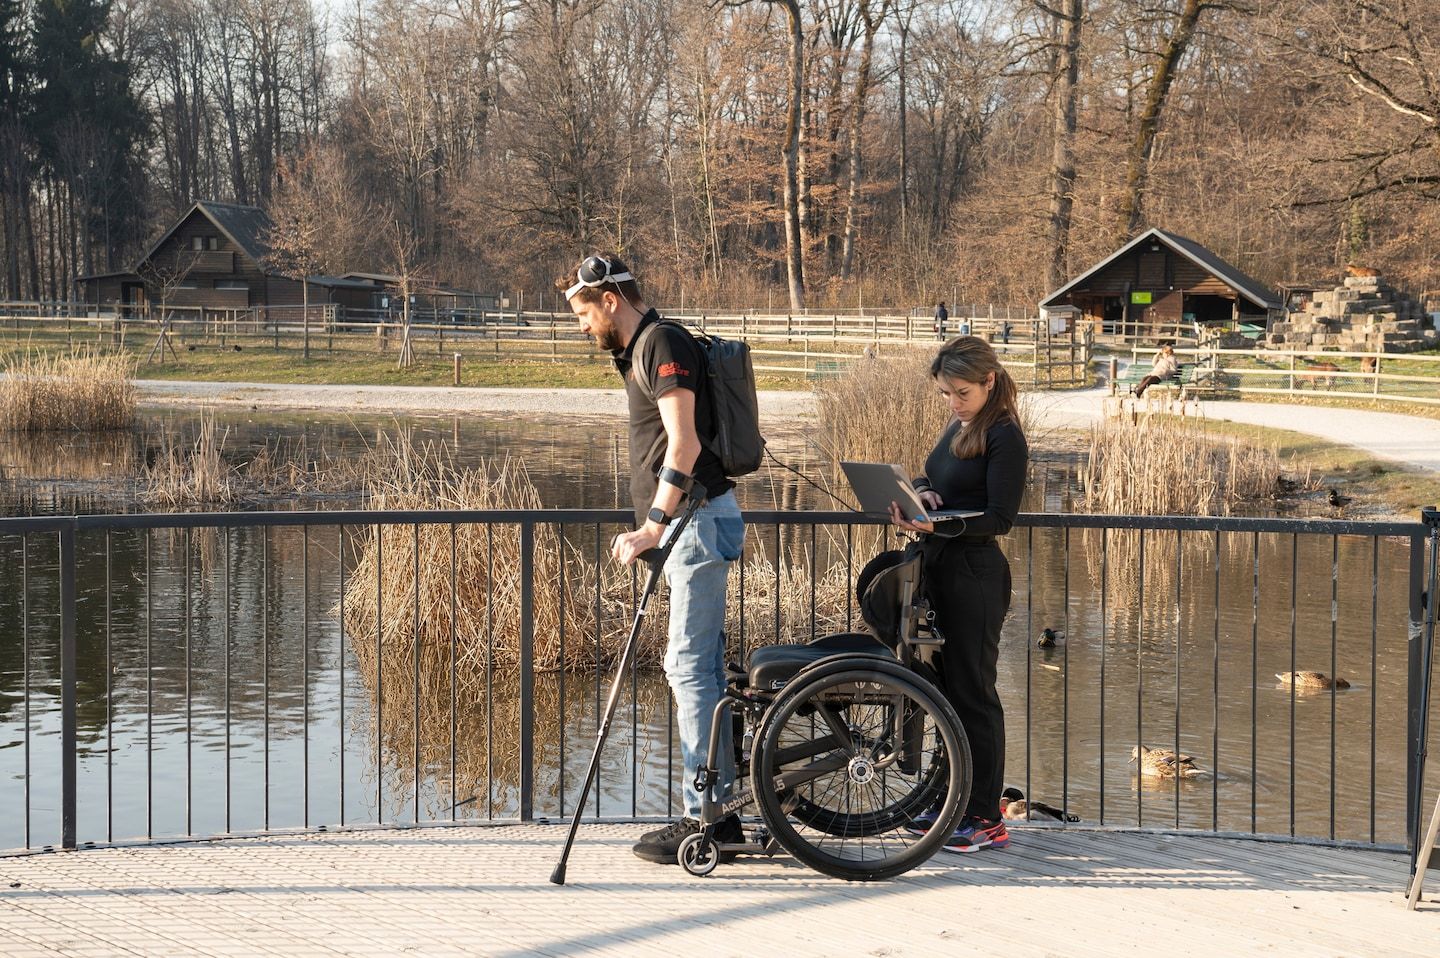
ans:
(673, 369)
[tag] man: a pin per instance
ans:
(670, 412)
(941, 315)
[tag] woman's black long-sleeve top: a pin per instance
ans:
(992, 482)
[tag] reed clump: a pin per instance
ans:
(1166, 466)
(193, 473)
(581, 606)
(382, 588)
(1161, 465)
(82, 392)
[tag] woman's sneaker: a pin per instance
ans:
(977, 833)
(922, 823)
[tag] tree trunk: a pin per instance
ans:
(1062, 156)
(904, 142)
(1137, 171)
(790, 155)
(857, 122)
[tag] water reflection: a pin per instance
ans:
(217, 689)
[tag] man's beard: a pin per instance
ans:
(610, 339)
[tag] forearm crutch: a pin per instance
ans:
(655, 559)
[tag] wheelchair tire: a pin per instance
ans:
(902, 751)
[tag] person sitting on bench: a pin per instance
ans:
(1166, 365)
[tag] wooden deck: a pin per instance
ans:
(484, 891)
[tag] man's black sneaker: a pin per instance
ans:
(663, 846)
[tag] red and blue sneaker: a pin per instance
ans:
(922, 823)
(976, 833)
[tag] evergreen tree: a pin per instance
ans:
(89, 129)
(15, 83)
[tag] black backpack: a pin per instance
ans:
(737, 442)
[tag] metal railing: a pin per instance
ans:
(194, 675)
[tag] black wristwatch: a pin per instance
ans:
(656, 514)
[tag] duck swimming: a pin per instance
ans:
(1337, 500)
(1048, 638)
(1311, 680)
(1165, 763)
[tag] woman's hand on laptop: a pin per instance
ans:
(930, 499)
(898, 518)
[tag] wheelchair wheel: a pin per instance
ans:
(851, 753)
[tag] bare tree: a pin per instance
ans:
(1178, 27)
(165, 276)
(1066, 18)
(297, 223)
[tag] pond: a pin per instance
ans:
(224, 696)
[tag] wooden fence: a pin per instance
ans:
(808, 345)
(1395, 377)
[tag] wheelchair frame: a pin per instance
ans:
(845, 679)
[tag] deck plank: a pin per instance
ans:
(484, 890)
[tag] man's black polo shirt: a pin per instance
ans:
(673, 358)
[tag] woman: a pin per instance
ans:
(1165, 366)
(978, 464)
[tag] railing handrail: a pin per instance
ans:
(361, 517)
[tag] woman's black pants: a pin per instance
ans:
(968, 584)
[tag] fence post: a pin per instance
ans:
(1375, 379)
(67, 687)
(527, 670)
(457, 369)
(1421, 660)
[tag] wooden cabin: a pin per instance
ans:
(1161, 285)
(215, 259)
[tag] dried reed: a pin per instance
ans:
(1166, 466)
(1161, 465)
(193, 475)
(80, 393)
(382, 588)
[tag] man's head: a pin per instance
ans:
(605, 298)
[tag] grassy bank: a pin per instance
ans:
(1379, 486)
(287, 365)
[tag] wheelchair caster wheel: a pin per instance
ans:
(698, 855)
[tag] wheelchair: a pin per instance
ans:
(840, 744)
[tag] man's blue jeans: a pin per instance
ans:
(697, 572)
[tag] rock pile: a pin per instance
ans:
(1363, 315)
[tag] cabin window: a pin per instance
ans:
(212, 242)
(232, 284)
(197, 242)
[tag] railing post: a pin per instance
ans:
(67, 686)
(1421, 661)
(527, 670)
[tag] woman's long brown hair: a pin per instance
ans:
(971, 359)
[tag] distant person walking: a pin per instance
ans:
(942, 315)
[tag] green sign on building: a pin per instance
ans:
(1140, 299)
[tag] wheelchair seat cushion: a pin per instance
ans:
(771, 666)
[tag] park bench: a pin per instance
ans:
(1189, 377)
(826, 369)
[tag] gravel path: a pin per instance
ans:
(1411, 440)
(565, 402)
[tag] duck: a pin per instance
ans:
(1014, 807)
(1285, 487)
(1164, 763)
(1311, 680)
(1048, 638)
(1337, 500)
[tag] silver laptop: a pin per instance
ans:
(877, 484)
